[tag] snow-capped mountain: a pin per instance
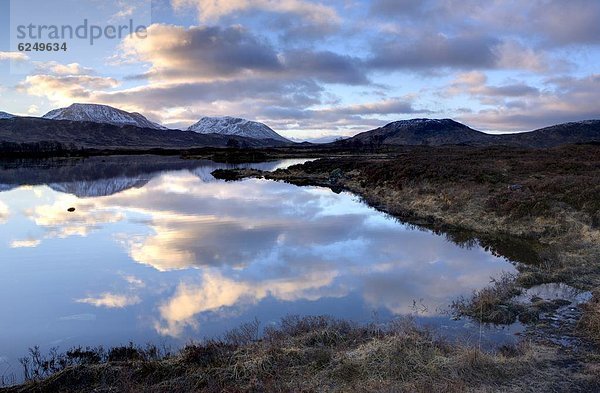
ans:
(4, 115)
(235, 126)
(101, 114)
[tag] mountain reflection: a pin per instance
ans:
(103, 176)
(205, 251)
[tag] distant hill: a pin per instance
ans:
(567, 133)
(29, 131)
(102, 114)
(4, 115)
(438, 132)
(434, 132)
(235, 126)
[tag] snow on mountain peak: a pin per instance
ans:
(228, 125)
(101, 114)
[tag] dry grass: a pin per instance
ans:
(589, 324)
(305, 354)
(494, 304)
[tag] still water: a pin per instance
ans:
(157, 250)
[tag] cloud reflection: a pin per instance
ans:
(216, 292)
(4, 213)
(257, 242)
(111, 300)
(59, 223)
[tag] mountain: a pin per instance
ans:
(437, 132)
(432, 132)
(4, 115)
(101, 114)
(38, 135)
(574, 132)
(235, 126)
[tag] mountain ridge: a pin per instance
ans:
(5, 115)
(439, 132)
(74, 135)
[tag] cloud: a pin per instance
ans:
(325, 66)
(67, 88)
(552, 23)
(566, 22)
(564, 99)
(270, 61)
(213, 10)
(56, 68)
(200, 53)
(16, 56)
(134, 281)
(434, 50)
(463, 51)
(212, 53)
(33, 110)
(474, 83)
(78, 317)
(110, 300)
(382, 107)
(28, 243)
(396, 7)
(513, 55)
(4, 213)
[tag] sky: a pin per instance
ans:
(311, 69)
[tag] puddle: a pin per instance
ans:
(560, 313)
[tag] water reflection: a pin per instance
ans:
(151, 252)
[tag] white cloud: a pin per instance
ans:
(17, 56)
(4, 212)
(28, 243)
(64, 90)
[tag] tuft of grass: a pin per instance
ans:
(494, 304)
(589, 324)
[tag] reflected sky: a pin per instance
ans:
(172, 254)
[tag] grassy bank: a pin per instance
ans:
(312, 354)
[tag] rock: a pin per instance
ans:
(515, 187)
(336, 175)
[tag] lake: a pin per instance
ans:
(159, 251)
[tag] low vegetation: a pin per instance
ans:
(307, 354)
(494, 304)
(589, 324)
